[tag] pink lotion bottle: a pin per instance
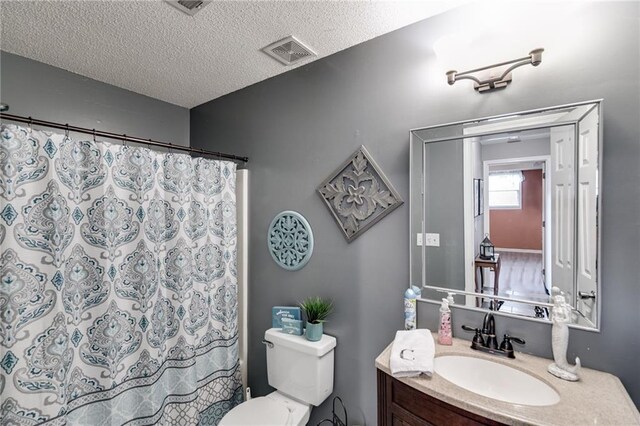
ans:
(444, 331)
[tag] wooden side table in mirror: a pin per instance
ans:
(492, 265)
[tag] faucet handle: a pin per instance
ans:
(506, 342)
(518, 340)
(477, 338)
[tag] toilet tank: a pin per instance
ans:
(299, 368)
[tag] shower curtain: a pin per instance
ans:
(118, 295)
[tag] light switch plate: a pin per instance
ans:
(432, 240)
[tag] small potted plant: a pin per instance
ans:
(316, 310)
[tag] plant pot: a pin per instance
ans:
(313, 332)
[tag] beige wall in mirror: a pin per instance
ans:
(528, 183)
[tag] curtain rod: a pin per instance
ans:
(110, 135)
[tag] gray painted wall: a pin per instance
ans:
(298, 127)
(478, 173)
(444, 215)
(41, 91)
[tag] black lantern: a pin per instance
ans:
(487, 249)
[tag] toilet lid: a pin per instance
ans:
(258, 411)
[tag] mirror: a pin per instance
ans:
(526, 185)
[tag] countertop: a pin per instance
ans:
(597, 399)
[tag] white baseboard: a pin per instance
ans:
(515, 250)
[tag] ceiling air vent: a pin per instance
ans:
(289, 51)
(190, 7)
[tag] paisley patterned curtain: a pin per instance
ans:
(118, 296)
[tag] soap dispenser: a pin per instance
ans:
(444, 331)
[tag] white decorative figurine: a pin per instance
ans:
(560, 317)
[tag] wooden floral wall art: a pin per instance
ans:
(358, 194)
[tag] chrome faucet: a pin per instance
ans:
(485, 339)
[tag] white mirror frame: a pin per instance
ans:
(598, 103)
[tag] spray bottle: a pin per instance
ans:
(409, 309)
(417, 290)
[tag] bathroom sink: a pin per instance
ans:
(494, 380)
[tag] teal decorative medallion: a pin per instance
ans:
(290, 240)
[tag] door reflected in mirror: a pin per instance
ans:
(528, 184)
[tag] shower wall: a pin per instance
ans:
(242, 213)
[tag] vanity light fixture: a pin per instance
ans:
(494, 83)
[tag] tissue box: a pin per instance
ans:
(280, 312)
(291, 326)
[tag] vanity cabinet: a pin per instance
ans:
(598, 398)
(401, 405)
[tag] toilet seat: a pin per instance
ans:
(271, 410)
(258, 411)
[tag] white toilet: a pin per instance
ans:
(302, 373)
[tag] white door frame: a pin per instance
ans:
(546, 205)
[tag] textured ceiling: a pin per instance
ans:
(151, 48)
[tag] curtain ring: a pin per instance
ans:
(124, 140)
(149, 144)
(94, 135)
(170, 146)
(66, 131)
(30, 123)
